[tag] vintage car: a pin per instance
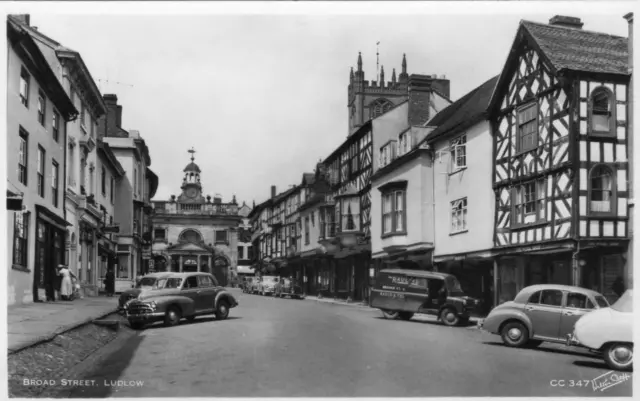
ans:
(288, 287)
(266, 285)
(542, 312)
(247, 284)
(400, 293)
(610, 331)
(170, 297)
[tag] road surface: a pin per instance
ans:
(295, 348)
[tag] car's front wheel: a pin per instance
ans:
(514, 334)
(391, 315)
(450, 317)
(222, 312)
(172, 316)
(619, 356)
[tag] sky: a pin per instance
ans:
(262, 97)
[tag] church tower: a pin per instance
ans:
(191, 187)
(367, 100)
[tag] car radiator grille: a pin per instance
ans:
(139, 309)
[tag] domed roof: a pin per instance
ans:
(192, 167)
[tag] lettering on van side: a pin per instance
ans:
(392, 295)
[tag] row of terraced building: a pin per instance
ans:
(526, 179)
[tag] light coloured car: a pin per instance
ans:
(543, 312)
(266, 284)
(609, 330)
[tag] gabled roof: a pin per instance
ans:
(463, 113)
(566, 49)
(580, 50)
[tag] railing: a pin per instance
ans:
(197, 208)
(189, 207)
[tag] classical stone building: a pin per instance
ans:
(195, 233)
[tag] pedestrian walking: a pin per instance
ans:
(109, 282)
(66, 287)
(618, 286)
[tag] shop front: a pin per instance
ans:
(475, 276)
(50, 252)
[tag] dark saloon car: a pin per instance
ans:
(400, 293)
(170, 297)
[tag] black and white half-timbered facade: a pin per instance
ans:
(349, 169)
(561, 174)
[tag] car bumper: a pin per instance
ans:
(572, 341)
(145, 317)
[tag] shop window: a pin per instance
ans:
(527, 138)
(602, 190)
(20, 238)
(602, 112)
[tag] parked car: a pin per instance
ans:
(170, 297)
(400, 293)
(543, 312)
(609, 330)
(247, 284)
(266, 284)
(288, 287)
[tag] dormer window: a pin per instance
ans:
(404, 143)
(387, 153)
(602, 112)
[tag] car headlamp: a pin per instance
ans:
(153, 305)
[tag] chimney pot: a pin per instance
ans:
(273, 191)
(566, 21)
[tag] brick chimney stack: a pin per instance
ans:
(23, 18)
(567, 22)
(421, 90)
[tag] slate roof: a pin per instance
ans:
(580, 50)
(463, 113)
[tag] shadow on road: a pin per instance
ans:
(107, 372)
(591, 364)
(199, 320)
(432, 322)
(544, 349)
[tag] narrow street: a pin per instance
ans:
(282, 347)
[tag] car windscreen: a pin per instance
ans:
(625, 303)
(172, 282)
(453, 286)
(147, 283)
(602, 301)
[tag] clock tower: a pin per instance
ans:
(191, 187)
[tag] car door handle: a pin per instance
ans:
(568, 313)
(529, 308)
(198, 292)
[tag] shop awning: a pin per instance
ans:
(245, 270)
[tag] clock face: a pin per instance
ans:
(192, 192)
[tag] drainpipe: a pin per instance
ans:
(433, 204)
